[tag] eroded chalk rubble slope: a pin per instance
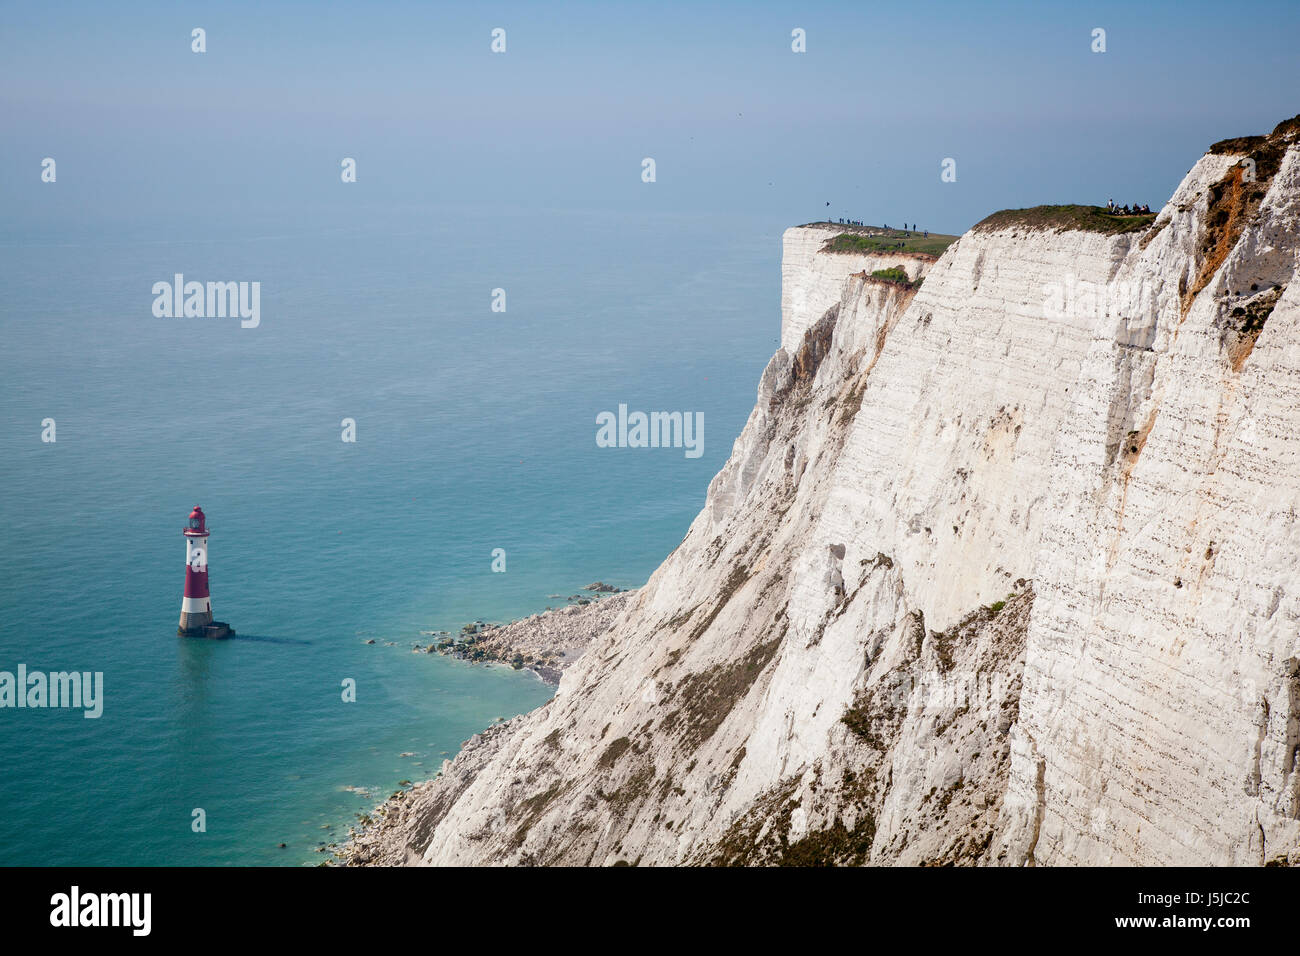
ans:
(1001, 570)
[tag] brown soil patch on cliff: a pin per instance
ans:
(1234, 202)
(1134, 442)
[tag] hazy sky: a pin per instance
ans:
(736, 121)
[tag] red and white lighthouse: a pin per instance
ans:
(196, 606)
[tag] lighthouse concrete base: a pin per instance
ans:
(193, 621)
(214, 629)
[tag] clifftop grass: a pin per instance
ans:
(1064, 218)
(857, 239)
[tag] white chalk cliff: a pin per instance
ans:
(1002, 570)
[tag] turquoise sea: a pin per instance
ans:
(475, 431)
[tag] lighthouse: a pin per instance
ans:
(196, 605)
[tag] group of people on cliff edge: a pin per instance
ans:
(1134, 210)
(906, 228)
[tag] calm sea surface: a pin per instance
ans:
(475, 431)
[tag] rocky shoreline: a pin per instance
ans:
(547, 644)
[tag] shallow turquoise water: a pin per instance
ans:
(475, 431)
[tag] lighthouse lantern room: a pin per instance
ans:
(196, 605)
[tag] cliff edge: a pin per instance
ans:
(1001, 570)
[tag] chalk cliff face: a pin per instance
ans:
(1002, 570)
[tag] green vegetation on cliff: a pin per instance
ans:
(896, 275)
(1064, 218)
(879, 239)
